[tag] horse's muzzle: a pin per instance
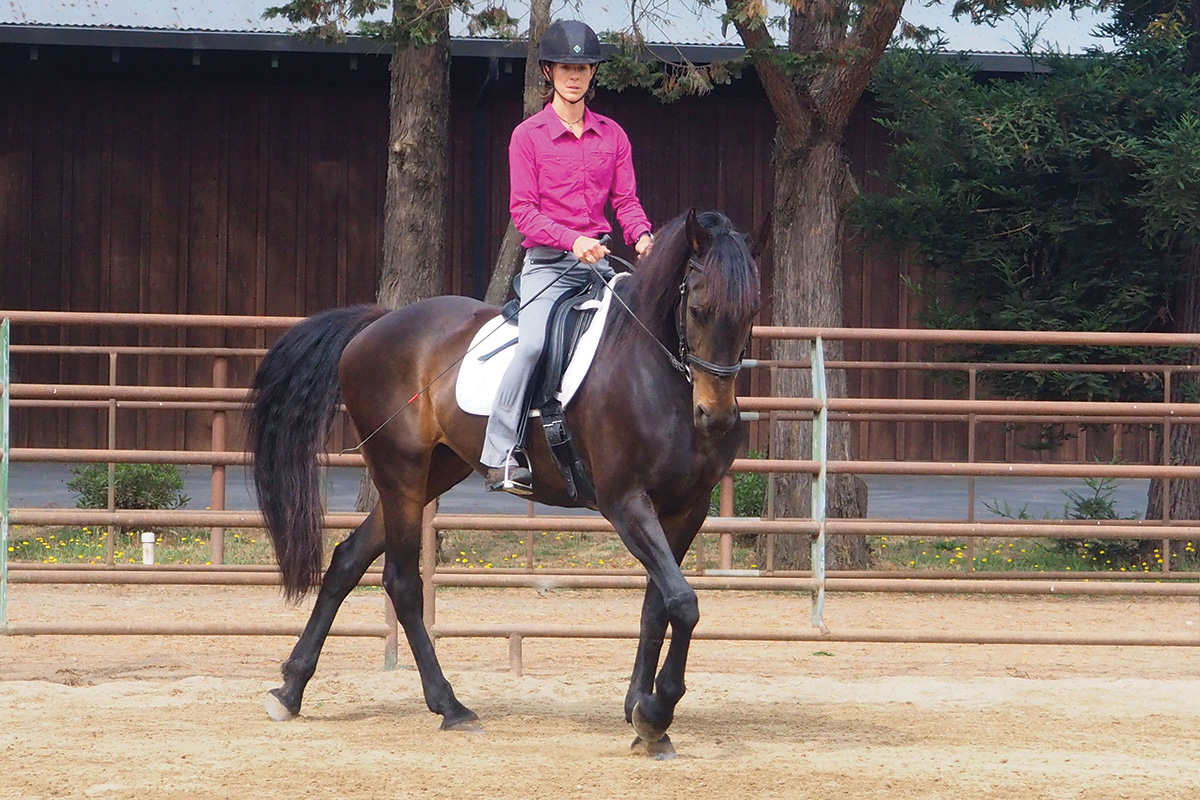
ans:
(714, 422)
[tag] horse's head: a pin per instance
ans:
(719, 298)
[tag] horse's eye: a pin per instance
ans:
(694, 313)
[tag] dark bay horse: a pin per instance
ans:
(655, 436)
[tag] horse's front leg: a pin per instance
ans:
(680, 532)
(651, 636)
(650, 707)
(350, 560)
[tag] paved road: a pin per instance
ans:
(891, 497)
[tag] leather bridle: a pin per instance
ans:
(687, 359)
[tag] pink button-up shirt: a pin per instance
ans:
(560, 183)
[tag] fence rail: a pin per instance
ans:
(218, 400)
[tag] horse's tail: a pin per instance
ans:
(292, 404)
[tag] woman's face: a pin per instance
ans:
(572, 80)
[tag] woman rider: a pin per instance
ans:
(565, 164)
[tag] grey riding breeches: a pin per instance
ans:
(542, 272)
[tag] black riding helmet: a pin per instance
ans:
(569, 41)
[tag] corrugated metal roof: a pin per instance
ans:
(683, 22)
(180, 15)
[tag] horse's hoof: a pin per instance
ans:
(276, 709)
(662, 750)
(466, 724)
(643, 728)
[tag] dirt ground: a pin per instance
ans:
(182, 717)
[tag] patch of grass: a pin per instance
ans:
(484, 550)
(749, 492)
(87, 545)
(1018, 555)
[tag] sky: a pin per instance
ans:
(684, 21)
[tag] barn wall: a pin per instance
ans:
(241, 185)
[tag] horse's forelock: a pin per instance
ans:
(734, 288)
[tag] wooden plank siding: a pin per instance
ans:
(265, 196)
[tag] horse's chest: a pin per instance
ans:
(696, 467)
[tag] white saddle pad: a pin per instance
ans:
(479, 381)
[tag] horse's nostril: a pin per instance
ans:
(710, 422)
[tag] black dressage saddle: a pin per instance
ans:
(566, 324)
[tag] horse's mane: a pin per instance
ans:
(653, 291)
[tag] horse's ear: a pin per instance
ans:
(762, 238)
(698, 238)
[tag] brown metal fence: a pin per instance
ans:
(218, 400)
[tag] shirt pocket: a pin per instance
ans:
(602, 166)
(559, 175)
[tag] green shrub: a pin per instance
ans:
(1097, 502)
(1100, 504)
(136, 486)
(749, 493)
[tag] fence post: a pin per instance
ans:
(429, 548)
(969, 561)
(391, 651)
(773, 447)
(110, 545)
(4, 391)
(726, 558)
(217, 495)
(820, 433)
(1166, 460)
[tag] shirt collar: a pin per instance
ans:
(554, 124)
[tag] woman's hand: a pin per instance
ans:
(589, 250)
(644, 243)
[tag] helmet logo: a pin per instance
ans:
(577, 48)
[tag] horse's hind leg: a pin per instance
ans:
(402, 581)
(350, 560)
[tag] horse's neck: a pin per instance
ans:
(655, 317)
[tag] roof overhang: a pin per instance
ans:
(263, 41)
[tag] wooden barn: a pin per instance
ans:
(241, 172)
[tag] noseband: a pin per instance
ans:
(687, 359)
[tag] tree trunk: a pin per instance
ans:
(511, 254)
(1184, 495)
(508, 263)
(813, 190)
(1183, 445)
(414, 232)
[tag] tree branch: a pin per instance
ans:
(839, 86)
(795, 109)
